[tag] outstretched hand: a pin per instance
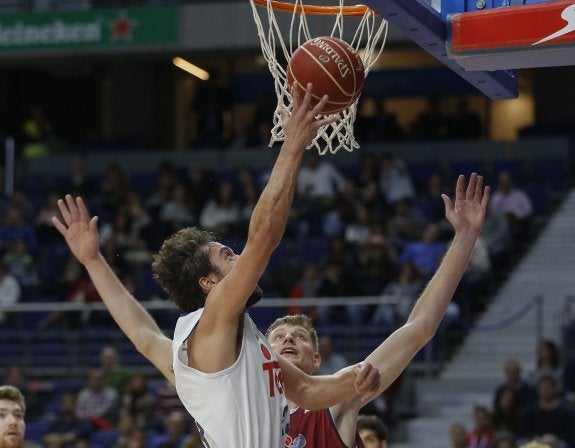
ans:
(300, 128)
(467, 213)
(78, 229)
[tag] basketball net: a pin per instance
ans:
(368, 41)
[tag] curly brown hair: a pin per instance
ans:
(300, 320)
(11, 393)
(179, 265)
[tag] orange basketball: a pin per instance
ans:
(333, 67)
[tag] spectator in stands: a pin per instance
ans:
(404, 226)
(367, 170)
(179, 210)
(373, 431)
(97, 402)
(331, 360)
(426, 253)
(221, 214)
(505, 412)
(124, 231)
(549, 415)
(113, 190)
(21, 264)
(166, 179)
(428, 204)
(116, 375)
(76, 287)
(14, 375)
(318, 183)
(458, 436)
(403, 292)
(515, 204)
(339, 251)
(377, 261)
(14, 228)
(473, 290)
(166, 402)
(497, 236)
(525, 393)
(37, 133)
(138, 400)
(125, 428)
(45, 231)
(548, 362)
(80, 183)
(176, 430)
(394, 180)
(335, 283)
(10, 293)
(307, 286)
(65, 428)
(483, 432)
(20, 200)
(12, 423)
(358, 230)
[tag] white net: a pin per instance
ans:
(368, 39)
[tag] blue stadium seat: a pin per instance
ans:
(103, 439)
(35, 430)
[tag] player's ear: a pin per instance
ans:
(316, 360)
(207, 282)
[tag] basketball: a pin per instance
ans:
(333, 67)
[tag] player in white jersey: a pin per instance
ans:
(218, 346)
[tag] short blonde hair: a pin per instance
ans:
(301, 320)
(11, 393)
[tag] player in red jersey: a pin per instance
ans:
(294, 338)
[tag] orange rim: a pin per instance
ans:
(355, 10)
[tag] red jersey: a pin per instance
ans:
(315, 429)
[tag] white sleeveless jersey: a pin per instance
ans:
(243, 406)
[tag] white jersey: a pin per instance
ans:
(243, 406)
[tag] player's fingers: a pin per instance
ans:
(470, 192)
(316, 110)
(327, 120)
(486, 196)
(307, 97)
(479, 188)
(72, 207)
(447, 202)
(82, 209)
(94, 223)
(460, 188)
(64, 211)
(59, 226)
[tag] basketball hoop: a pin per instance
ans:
(368, 39)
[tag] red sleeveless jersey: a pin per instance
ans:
(315, 429)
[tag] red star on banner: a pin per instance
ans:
(122, 27)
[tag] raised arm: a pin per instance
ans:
(466, 215)
(217, 330)
(81, 234)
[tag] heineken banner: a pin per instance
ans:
(97, 29)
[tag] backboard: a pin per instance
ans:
(485, 41)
